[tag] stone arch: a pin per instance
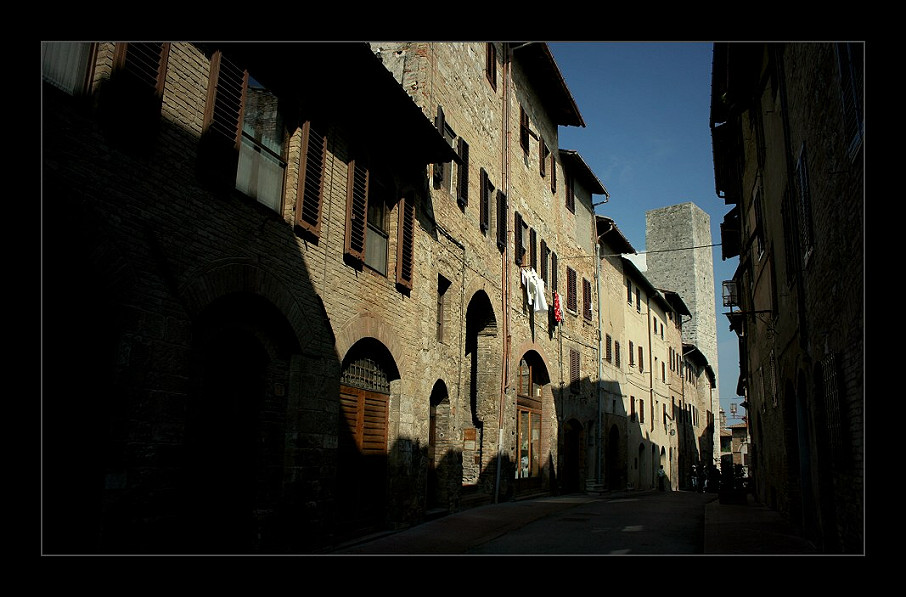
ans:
(483, 385)
(366, 325)
(444, 463)
(228, 276)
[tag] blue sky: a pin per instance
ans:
(646, 108)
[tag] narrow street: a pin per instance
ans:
(647, 522)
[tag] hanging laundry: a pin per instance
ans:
(528, 284)
(540, 301)
(558, 311)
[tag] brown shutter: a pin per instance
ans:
(533, 252)
(553, 271)
(405, 246)
(544, 252)
(366, 416)
(439, 168)
(484, 201)
(226, 99)
(356, 209)
(574, 370)
(586, 298)
(571, 298)
(553, 174)
(517, 233)
(462, 185)
(501, 220)
(309, 197)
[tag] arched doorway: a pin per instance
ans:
(362, 443)
(531, 377)
(483, 385)
(235, 423)
(440, 449)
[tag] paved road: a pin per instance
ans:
(623, 523)
(646, 523)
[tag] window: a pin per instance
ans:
(586, 299)
(442, 286)
(608, 349)
(574, 380)
(629, 291)
(244, 122)
(501, 220)
(851, 62)
(663, 371)
(632, 408)
(616, 353)
(631, 354)
(641, 410)
(523, 130)
(145, 63)
(533, 252)
(528, 427)
(571, 290)
(310, 195)
(553, 174)
(759, 220)
(641, 360)
(638, 300)
(462, 173)
(442, 171)
(570, 194)
(369, 196)
(490, 68)
(67, 65)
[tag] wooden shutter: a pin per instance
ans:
(462, 184)
(310, 196)
(356, 209)
(366, 417)
(571, 290)
(553, 174)
(523, 129)
(574, 370)
(440, 123)
(533, 252)
(570, 195)
(226, 99)
(517, 233)
(544, 252)
(501, 220)
(405, 246)
(484, 211)
(586, 298)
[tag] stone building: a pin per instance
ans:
(788, 136)
(280, 313)
(679, 257)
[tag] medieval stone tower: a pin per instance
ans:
(679, 258)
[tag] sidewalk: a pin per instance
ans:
(753, 528)
(730, 529)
